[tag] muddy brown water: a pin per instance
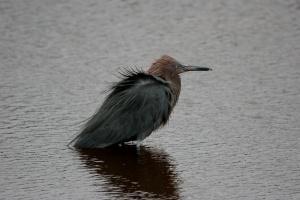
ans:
(233, 135)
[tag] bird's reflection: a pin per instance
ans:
(143, 172)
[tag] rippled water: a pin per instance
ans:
(233, 135)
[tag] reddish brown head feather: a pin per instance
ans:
(166, 68)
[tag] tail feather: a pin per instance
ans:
(92, 140)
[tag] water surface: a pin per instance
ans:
(233, 135)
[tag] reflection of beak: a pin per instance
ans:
(186, 68)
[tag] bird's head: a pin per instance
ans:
(167, 66)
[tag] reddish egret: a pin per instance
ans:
(137, 105)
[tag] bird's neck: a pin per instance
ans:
(174, 82)
(175, 85)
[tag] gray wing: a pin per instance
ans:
(132, 111)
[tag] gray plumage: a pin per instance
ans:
(136, 106)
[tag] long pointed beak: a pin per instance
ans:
(186, 68)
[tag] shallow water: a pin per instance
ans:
(233, 135)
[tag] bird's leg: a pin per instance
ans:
(138, 144)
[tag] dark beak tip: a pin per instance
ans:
(196, 68)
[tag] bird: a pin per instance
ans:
(140, 103)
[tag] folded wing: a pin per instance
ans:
(136, 106)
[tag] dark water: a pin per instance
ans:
(235, 133)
